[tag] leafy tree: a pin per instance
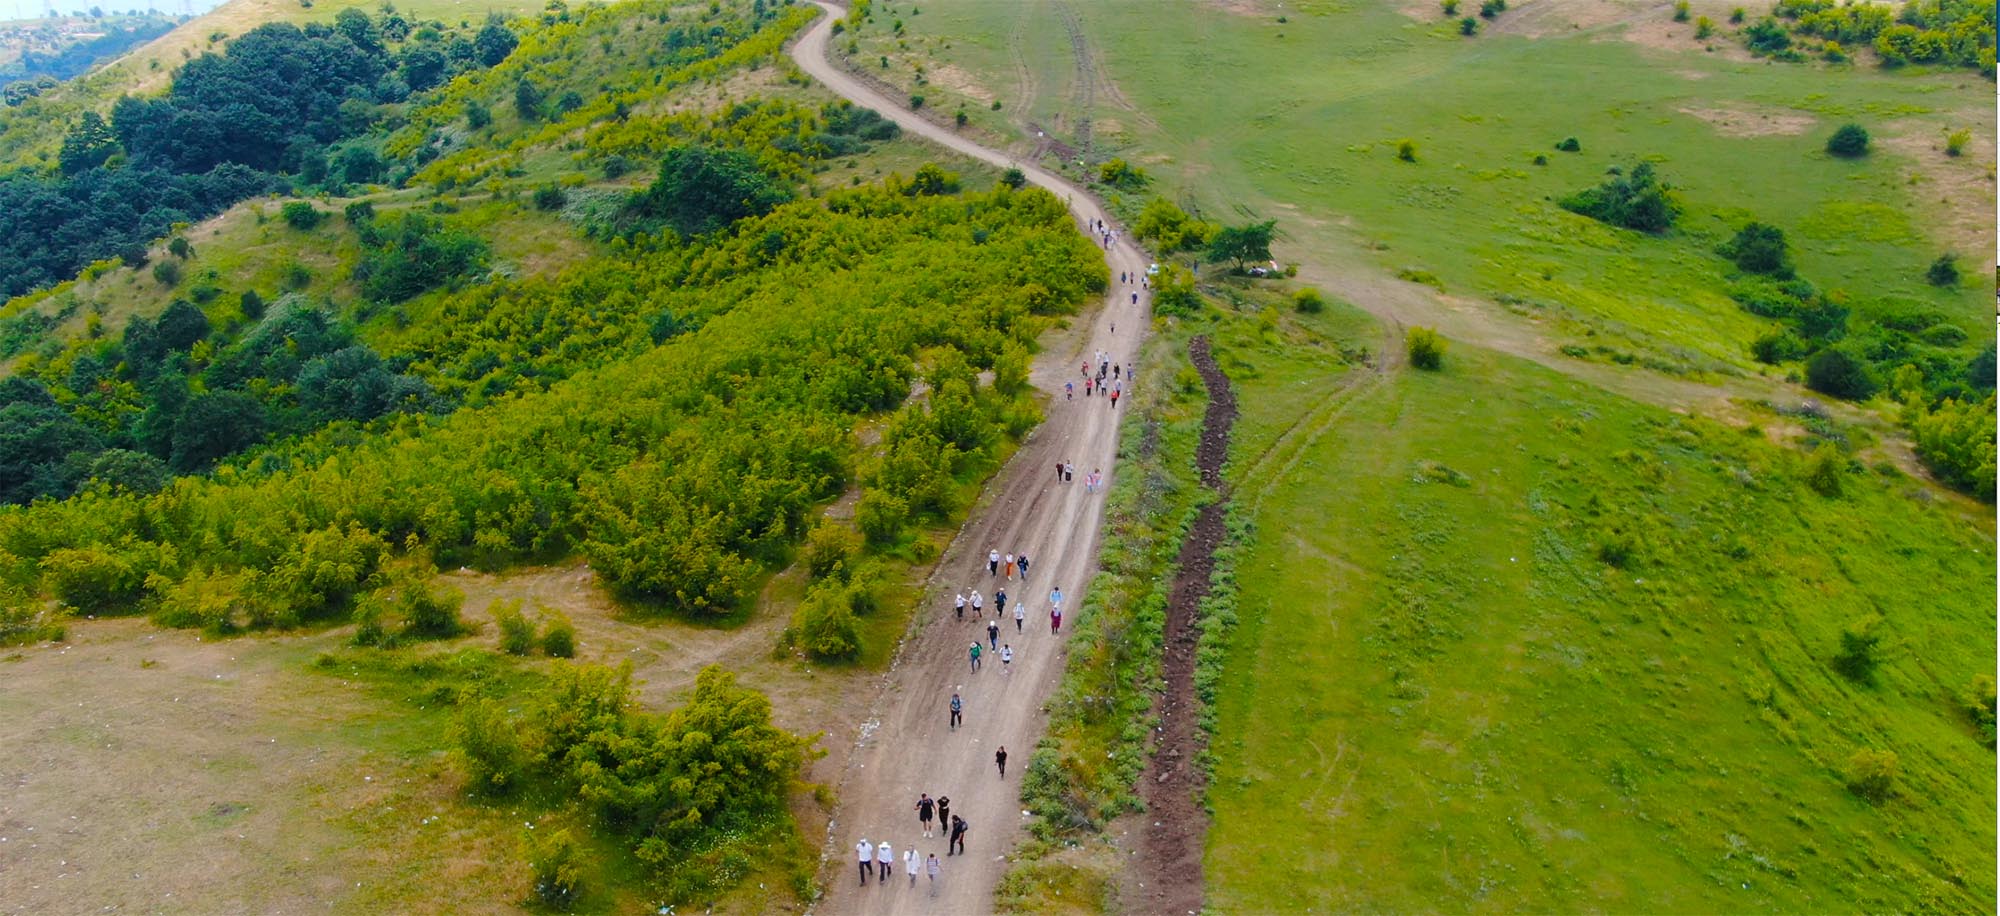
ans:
(1680, 10)
(130, 471)
(167, 272)
(1248, 242)
(477, 116)
(490, 748)
(528, 100)
(93, 580)
(824, 625)
(87, 145)
(1170, 229)
(358, 28)
(1826, 470)
(430, 613)
(360, 165)
(831, 549)
(1849, 142)
(1450, 8)
(702, 190)
(182, 325)
(1760, 249)
(1174, 292)
(415, 254)
(1766, 37)
(214, 425)
(1638, 201)
(423, 67)
(178, 247)
(556, 862)
(1425, 348)
(1490, 9)
(1468, 26)
(1014, 178)
(494, 42)
(1836, 372)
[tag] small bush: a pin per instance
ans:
(301, 215)
(430, 613)
(1406, 150)
(1680, 10)
(1979, 707)
(1468, 26)
(1849, 142)
(1492, 8)
(1871, 774)
(916, 102)
(1736, 15)
(1860, 648)
(1308, 301)
(616, 166)
(1704, 28)
(1943, 271)
(1760, 249)
(559, 640)
(830, 550)
(1014, 178)
(1569, 145)
(1426, 348)
(557, 864)
(1825, 470)
(1450, 8)
(1954, 143)
(881, 516)
(824, 625)
(959, 118)
(550, 197)
(490, 749)
(1778, 347)
(517, 635)
(167, 272)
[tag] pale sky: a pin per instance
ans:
(33, 9)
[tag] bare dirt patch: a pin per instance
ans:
(1655, 28)
(1744, 122)
(957, 80)
(1555, 18)
(1166, 876)
(1263, 9)
(1954, 195)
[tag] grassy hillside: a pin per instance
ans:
(1298, 112)
(1594, 667)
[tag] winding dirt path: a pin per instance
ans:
(904, 745)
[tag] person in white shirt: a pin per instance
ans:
(993, 562)
(933, 867)
(1020, 614)
(1006, 659)
(977, 602)
(958, 605)
(912, 864)
(884, 858)
(866, 853)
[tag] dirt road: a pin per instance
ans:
(904, 743)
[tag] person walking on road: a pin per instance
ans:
(1056, 599)
(1007, 566)
(975, 658)
(957, 842)
(1069, 392)
(944, 811)
(866, 853)
(1114, 396)
(1000, 603)
(993, 562)
(958, 605)
(1023, 563)
(977, 604)
(957, 709)
(993, 634)
(883, 860)
(933, 867)
(925, 808)
(1055, 621)
(1000, 760)
(1069, 472)
(912, 863)
(1007, 659)
(1020, 614)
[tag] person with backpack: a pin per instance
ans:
(975, 658)
(993, 633)
(1022, 561)
(957, 707)
(1000, 603)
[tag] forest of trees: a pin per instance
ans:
(258, 117)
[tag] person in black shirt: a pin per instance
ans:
(957, 844)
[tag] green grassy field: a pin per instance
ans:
(1298, 121)
(1442, 695)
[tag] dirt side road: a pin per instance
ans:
(904, 743)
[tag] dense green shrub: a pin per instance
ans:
(1837, 372)
(1859, 654)
(1308, 301)
(94, 579)
(1569, 145)
(830, 549)
(302, 215)
(1943, 271)
(490, 748)
(517, 634)
(1425, 348)
(1639, 201)
(1760, 249)
(1871, 774)
(556, 863)
(549, 197)
(1848, 142)
(415, 253)
(824, 624)
(559, 637)
(702, 190)
(1169, 229)
(1248, 242)
(1826, 470)
(1956, 441)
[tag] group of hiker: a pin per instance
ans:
(1108, 379)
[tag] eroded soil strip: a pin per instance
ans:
(1168, 873)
